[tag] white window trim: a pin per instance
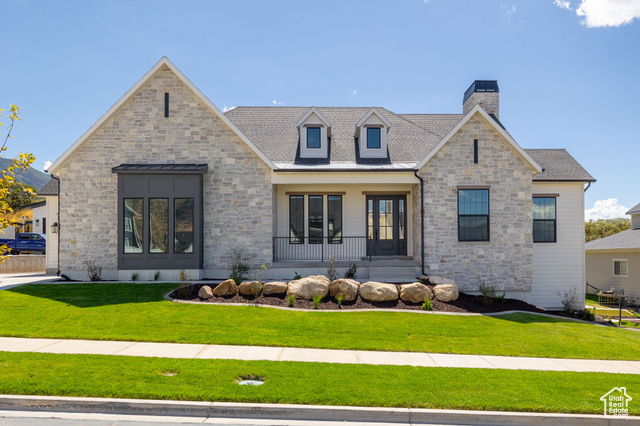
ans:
(626, 269)
(313, 118)
(373, 118)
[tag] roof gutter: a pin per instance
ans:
(415, 173)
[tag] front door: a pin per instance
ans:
(386, 225)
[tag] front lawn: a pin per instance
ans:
(138, 312)
(309, 383)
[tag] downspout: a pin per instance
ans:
(59, 227)
(415, 172)
(588, 186)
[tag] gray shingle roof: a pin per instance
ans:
(50, 188)
(633, 210)
(411, 137)
(629, 239)
(558, 165)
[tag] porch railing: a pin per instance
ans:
(314, 248)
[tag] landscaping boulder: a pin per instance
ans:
(439, 279)
(205, 292)
(415, 293)
(446, 292)
(378, 292)
(226, 288)
(310, 287)
(250, 288)
(275, 287)
(348, 288)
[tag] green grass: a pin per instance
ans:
(138, 312)
(308, 383)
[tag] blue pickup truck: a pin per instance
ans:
(26, 242)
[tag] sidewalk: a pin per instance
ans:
(261, 353)
(17, 279)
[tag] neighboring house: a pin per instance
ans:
(614, 261)
(400, 194)
(28, 218)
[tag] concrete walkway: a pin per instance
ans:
(17, 279)
(260, 353)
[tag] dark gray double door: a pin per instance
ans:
(386, 225)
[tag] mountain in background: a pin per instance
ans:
(32, 177)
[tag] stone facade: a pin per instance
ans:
(237, 191)
(507, 259)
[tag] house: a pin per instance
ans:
(614, 261)
(28, 218)
(294, 187)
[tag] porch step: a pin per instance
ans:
(394, 274)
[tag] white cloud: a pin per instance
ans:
(276, 103)
(605, 209)
(47, 164)
(608, 13)
(355, 92)
(564, 4)
(508, 10)
(226, 108)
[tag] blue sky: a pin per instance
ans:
(568, 71)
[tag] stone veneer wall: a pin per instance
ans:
(237, 191)
(507, 259)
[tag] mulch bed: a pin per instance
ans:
(465, 303)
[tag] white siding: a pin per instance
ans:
(52, 239)
(40, 213)
(600, 272)
(560, 265)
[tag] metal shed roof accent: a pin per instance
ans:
(193, 169)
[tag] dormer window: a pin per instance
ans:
(313, 137)
(371, 132)
(373, 137)
(314, 131)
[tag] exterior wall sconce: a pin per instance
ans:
(54, 228)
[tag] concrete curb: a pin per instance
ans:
(297, 412)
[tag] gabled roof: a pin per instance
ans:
(634, 210)
(373, 111)
(625, 240)
(558, 165)
(313, 110)
(51, 188)
(497, 126)
(164, 62)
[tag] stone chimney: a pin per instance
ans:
(484, 93)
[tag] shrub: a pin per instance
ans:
(182, 291)
(427, 305)
(489, 293)
(316, 301)
(292, 300)
(134, 276)
(585, 314)
(93, 270)
(297, 276)
(239, 266)
(352, 271)
(568, 299)
(340, 298)
(332, 274)
(156, 276)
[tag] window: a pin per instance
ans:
(296, 219)
(315, 219)
(544, 220)
(373, 137)
(160, 216)
(313, 137)
(620, 267)
(334, 219)
(473, 215)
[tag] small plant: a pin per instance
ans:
(297, 276)
(182, 291)
(352, 271)
(292, 300)
(500, 297)
(488, 293)
(316, 301)
(340, 298)
(258, 274)
(93, 270)
(568, 299)
(585, 314)
(427, 305)
(332, 274)
(156, 276)
(134, 276)
(239, 266)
